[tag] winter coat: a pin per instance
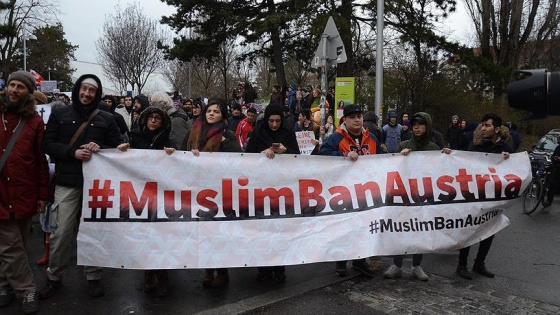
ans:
(422, 143)
(121, 110)
(243, 130)
(392, 136)
(143, 138)
(454, 134)
(370, 123)
(119, 119)
(340, 143)
(480, 144)
(179, 126)
(233, 121)
(24, 179)
(263, 137)
(63, 123)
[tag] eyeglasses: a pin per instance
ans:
(154, 117)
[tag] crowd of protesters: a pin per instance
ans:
(170, 122)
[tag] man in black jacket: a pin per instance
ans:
(101, 132)
(490, 138)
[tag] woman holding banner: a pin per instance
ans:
(209, 133)
(270, 138)
(154, 127)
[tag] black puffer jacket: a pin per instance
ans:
(143, 138)
(63, 123)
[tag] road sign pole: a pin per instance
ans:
(379, 62)
(324, 69)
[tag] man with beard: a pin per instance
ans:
(99, 131)
(24, 180)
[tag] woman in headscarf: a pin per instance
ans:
(154, 126)
(209, 133)
(270, 138)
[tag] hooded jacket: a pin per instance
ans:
(421, 143)
(119, 119)
(64, 121)
(144, 102)
(24, 178)
(479, 144)
(143, 138)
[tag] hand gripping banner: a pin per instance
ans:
(143, 209)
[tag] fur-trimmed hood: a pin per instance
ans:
(504, 134)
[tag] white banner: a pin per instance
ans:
(306, 142)
(147, 210)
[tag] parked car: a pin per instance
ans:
(545, 146)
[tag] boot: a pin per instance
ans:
(480, 268)
(162, 288)
(208, 278)
(463, 271)
(221, 279)
(45, 259)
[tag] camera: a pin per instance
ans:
(535, 90)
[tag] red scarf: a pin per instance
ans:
(205, 137)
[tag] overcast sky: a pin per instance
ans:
(83, 21)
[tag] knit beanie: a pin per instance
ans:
(24, 77)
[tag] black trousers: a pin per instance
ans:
(483, 250)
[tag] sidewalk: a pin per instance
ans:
(359, 295)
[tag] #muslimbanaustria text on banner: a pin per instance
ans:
(143, 209)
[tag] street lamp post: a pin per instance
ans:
(49, 70)
(25, 38)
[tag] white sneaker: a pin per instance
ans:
(419, 273)
(393, 272)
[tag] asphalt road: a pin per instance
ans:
(524, 256)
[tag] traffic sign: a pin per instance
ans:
(334, 47)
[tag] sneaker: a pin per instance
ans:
(7, 296)
(95, 288)
(393, 272)
(30, 303)
(341, 268)
(463, 271)
(419, 273)
(363, 267)
(50, 289)
(481, 269)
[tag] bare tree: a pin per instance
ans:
(19, 17)
(128, 48)
(509, 29)
(176, 73)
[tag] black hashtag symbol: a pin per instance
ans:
(374, 227)
(100, 198)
